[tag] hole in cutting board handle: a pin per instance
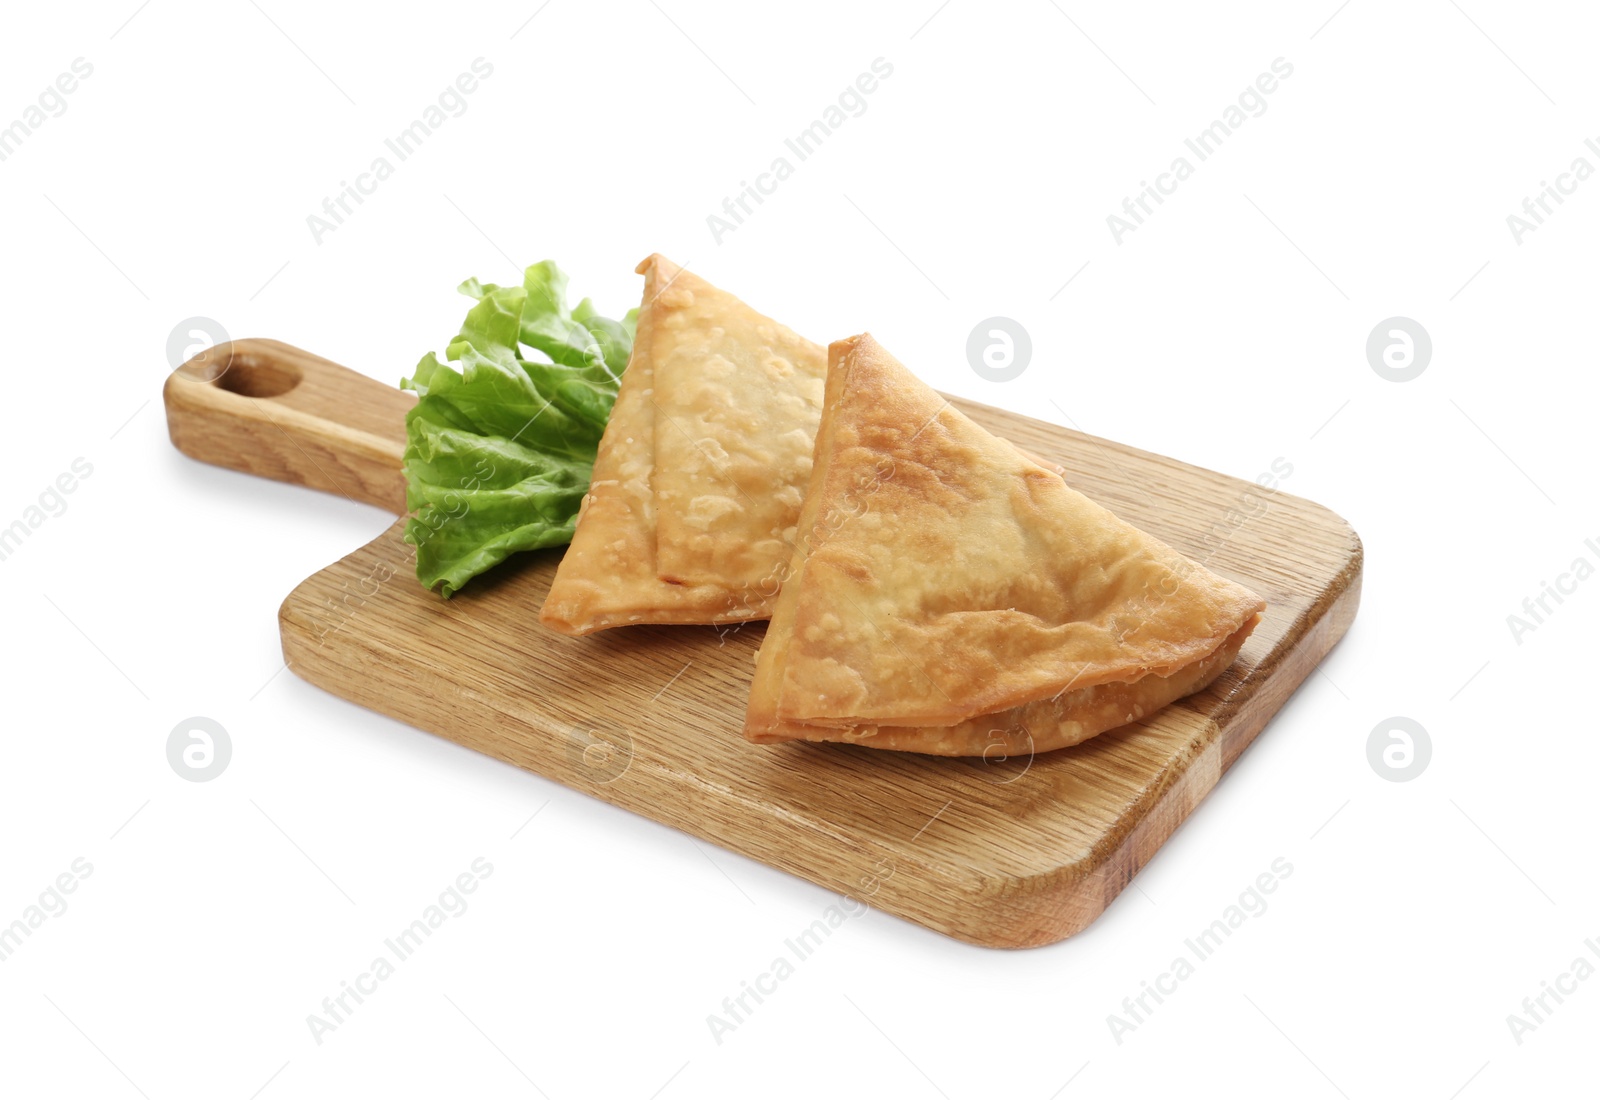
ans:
(255, 376)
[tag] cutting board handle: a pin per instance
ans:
(273, 410)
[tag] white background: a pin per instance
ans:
(1229, 330)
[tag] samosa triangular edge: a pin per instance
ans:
(608, 576)
(737, 399)
(940, 575)
(1019, 733)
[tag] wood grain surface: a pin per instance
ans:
(273, 410)
(1004, 853)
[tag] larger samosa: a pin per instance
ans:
(948, 595)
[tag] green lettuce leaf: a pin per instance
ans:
(501, 445)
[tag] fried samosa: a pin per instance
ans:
(948, 595)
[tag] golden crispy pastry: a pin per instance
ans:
(1054, 467)
(1069, 718)
(946, 590)
(737, 399)
(608, 576)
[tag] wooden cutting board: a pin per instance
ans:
(1005, 853)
